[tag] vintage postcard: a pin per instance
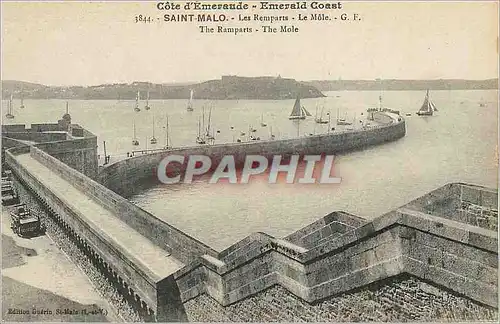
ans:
(249, 161)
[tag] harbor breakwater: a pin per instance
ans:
(127, 176)
(436, 255)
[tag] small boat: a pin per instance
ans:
(262, 121)
(9, 114)
(208, 135)
(137, 98)
(320, 119)
(408, 114)
(482, 103)
(135, 142)
(199, 139)
(190, 102)
(147, 107)
(271, 135)
(428, 108)
(342, 121)
(242, 133)
(153, 139)
(22, 101)
(298, 111)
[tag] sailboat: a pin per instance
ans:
(135, 142)
(271, 135)
(298, 111)
(137, 98)
(482, 103)
(199, 138)
(320, 119)
(9, 113)
(153, 139)
(262, 121)
(190, 102)
(22, 100)
(147, 107)
(167, 144)
(342, 121)
(428, 108)
(208, 135)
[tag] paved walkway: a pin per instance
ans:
(142, 249)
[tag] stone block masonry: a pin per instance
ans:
(75, 147)
(433, 259)
(399, 299)
(439, 257)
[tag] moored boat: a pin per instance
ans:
(320, 120)
(137, 98)
(10, 113)
(135, 142)
(153, 139)
(190, 102)
(147, 106)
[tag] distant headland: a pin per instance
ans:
(388, 84)
(232, 88)
(226, 88)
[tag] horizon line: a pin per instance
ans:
(268, 76)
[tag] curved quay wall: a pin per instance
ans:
(123, 176)
(338, 253)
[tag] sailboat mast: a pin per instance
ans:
(380, 95)
(10, 103)
(329, 122)
(166, 135)
(203, 124)
(209, 118)
(153, 126)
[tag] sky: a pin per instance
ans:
(90, 43)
